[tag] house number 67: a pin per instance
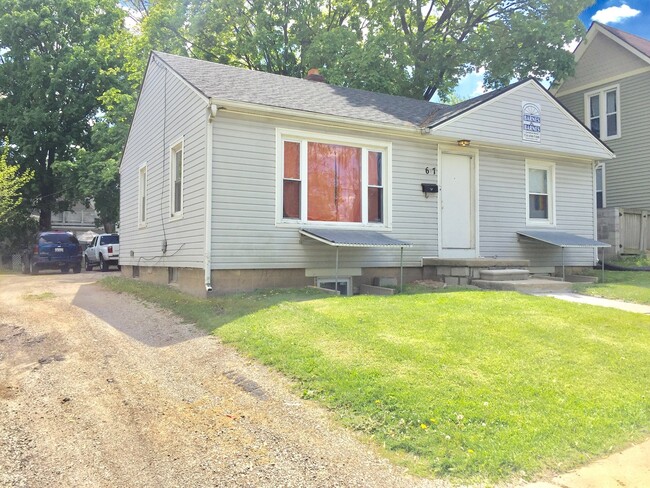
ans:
(428, 170)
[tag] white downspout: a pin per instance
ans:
(212, 114)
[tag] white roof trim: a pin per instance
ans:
(550, 99)
(586, 41)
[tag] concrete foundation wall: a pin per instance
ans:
(190, 280)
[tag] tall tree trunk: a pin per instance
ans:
(46, 189)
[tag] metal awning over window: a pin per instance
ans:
(563, 239)
(353, 238)
(356, 238)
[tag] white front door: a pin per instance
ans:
(457, 206)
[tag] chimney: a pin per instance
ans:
(314, 75)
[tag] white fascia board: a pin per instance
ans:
(604, 81)
(586, 41)
(608, 153)
(622, 43)
(285, 113)
(194, 89)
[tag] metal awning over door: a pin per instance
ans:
(356, 238)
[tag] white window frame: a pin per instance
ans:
(600, 166)
(602, 100)
(179, 145)
(142, 195)
(366, 145)
(550, 169)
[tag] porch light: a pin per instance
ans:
(463, 142)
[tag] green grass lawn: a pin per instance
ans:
(629, 286)
(464, 385)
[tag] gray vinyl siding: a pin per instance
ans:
(604, 59)
(245, 234)
(499, 123)
(627, 177)
(502, 209)
(168, 111)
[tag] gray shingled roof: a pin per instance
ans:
(229, 83)
(224, 82)
(639, 43)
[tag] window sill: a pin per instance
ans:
(297, 224)
(174, 217)
(610, 138)
(533, 223)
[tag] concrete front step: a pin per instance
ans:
(533, 285)
(504, 274)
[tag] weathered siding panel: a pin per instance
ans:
(502, 209)
(168, 111)
(498, 122)
(245, 235)
(602, 60)
(627, 177)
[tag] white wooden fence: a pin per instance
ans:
(635, 231)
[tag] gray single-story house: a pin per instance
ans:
(234, 179)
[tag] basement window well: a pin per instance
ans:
(343, 285)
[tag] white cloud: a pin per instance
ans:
(479, 88)
(613, 15)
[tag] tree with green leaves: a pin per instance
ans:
(11, 185)
(52, 75)
(404, 47)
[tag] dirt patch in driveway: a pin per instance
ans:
(98, 389)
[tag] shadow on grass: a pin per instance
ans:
(209, 313)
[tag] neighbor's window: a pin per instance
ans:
(177, 179)
(142, 200)
(539, 183)
(328, 182)
(603, 112)
(600, 186)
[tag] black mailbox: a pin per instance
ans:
(429, 188)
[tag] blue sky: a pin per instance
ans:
(629, 15)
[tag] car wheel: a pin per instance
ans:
(103, 264)
(33, 269)
(65, 269)
(89, 266)
(77, 269)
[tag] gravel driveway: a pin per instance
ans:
(97, 389)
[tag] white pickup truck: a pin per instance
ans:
(103, 251)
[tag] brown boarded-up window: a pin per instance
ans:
(291, 181)
(334, 183)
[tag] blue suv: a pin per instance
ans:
(52, 250)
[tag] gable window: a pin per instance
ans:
(600, 186)
(142, 197)
(332, 181)
(603, 113)
(540, 205)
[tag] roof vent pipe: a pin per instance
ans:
(314, 75)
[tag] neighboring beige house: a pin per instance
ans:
(610, 94)
(79, 220)
(234, 180)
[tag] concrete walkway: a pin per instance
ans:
(627, 469)
(600, 302)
